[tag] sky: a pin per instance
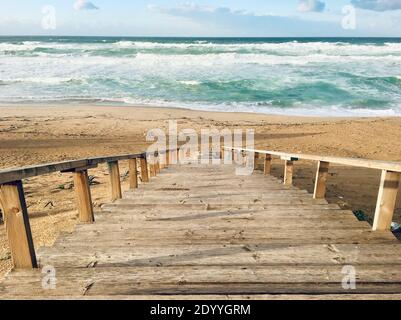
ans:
(219, 18)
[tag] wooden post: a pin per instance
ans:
(17, 225)
(321, 178)
(389, 185)
(144, 170)
(233, 155)
(133, 174)
(167, 158)
(157, 164)
(288, 171)
(161, 162)
(115, 184)
(268, 164)
(84, 198)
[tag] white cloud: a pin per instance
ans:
(377, 5)
(84, 5)
(225, 21)
(190, 8)
(311, 6)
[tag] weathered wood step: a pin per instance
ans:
(215, 255)
(204, 280)
(232, 235)
(222, 201)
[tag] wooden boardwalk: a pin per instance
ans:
(198, 231)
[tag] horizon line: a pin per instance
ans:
(213, 37)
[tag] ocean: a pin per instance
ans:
(311, 76)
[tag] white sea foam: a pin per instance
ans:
(314, 78)
(190, 82)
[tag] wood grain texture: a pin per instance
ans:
(83, 195)
(321, 179)
(133, 173)
(388, 190)
(202, 231)
(17, 225)
(288, 172)
(144, 170)
(115, 183)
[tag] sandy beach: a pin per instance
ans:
(34, 134)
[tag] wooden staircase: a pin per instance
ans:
(200, 231)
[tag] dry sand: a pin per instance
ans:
(38, 134)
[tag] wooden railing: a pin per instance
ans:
(12, 198)
(389, 182)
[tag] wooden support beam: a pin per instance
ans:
(167, 158)
(268, 164)
(152, 169)
(321, 178)
(133, 173)
(144, 170)
(115, 183)
(288, 171)
(17, 225)
(161, 161)
(84, 198)
(157, 164)
(389, 185)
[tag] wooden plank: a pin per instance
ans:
(231, 221)
(84, 198)
(207, 280)
(386, 200)
(288, 172)
(144, 170)
(221, 297)
(17, 225)
(133, 174)
(115, 183)
(223, 255)
(235, 235)
(321, 179)
(275, 215)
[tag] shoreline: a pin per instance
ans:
(176, 106)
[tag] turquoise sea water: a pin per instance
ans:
(287, 76)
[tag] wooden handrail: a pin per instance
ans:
(12, 198)
(389, 183)
(354, 162)
(10, 175)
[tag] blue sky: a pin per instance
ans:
(202, 18)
